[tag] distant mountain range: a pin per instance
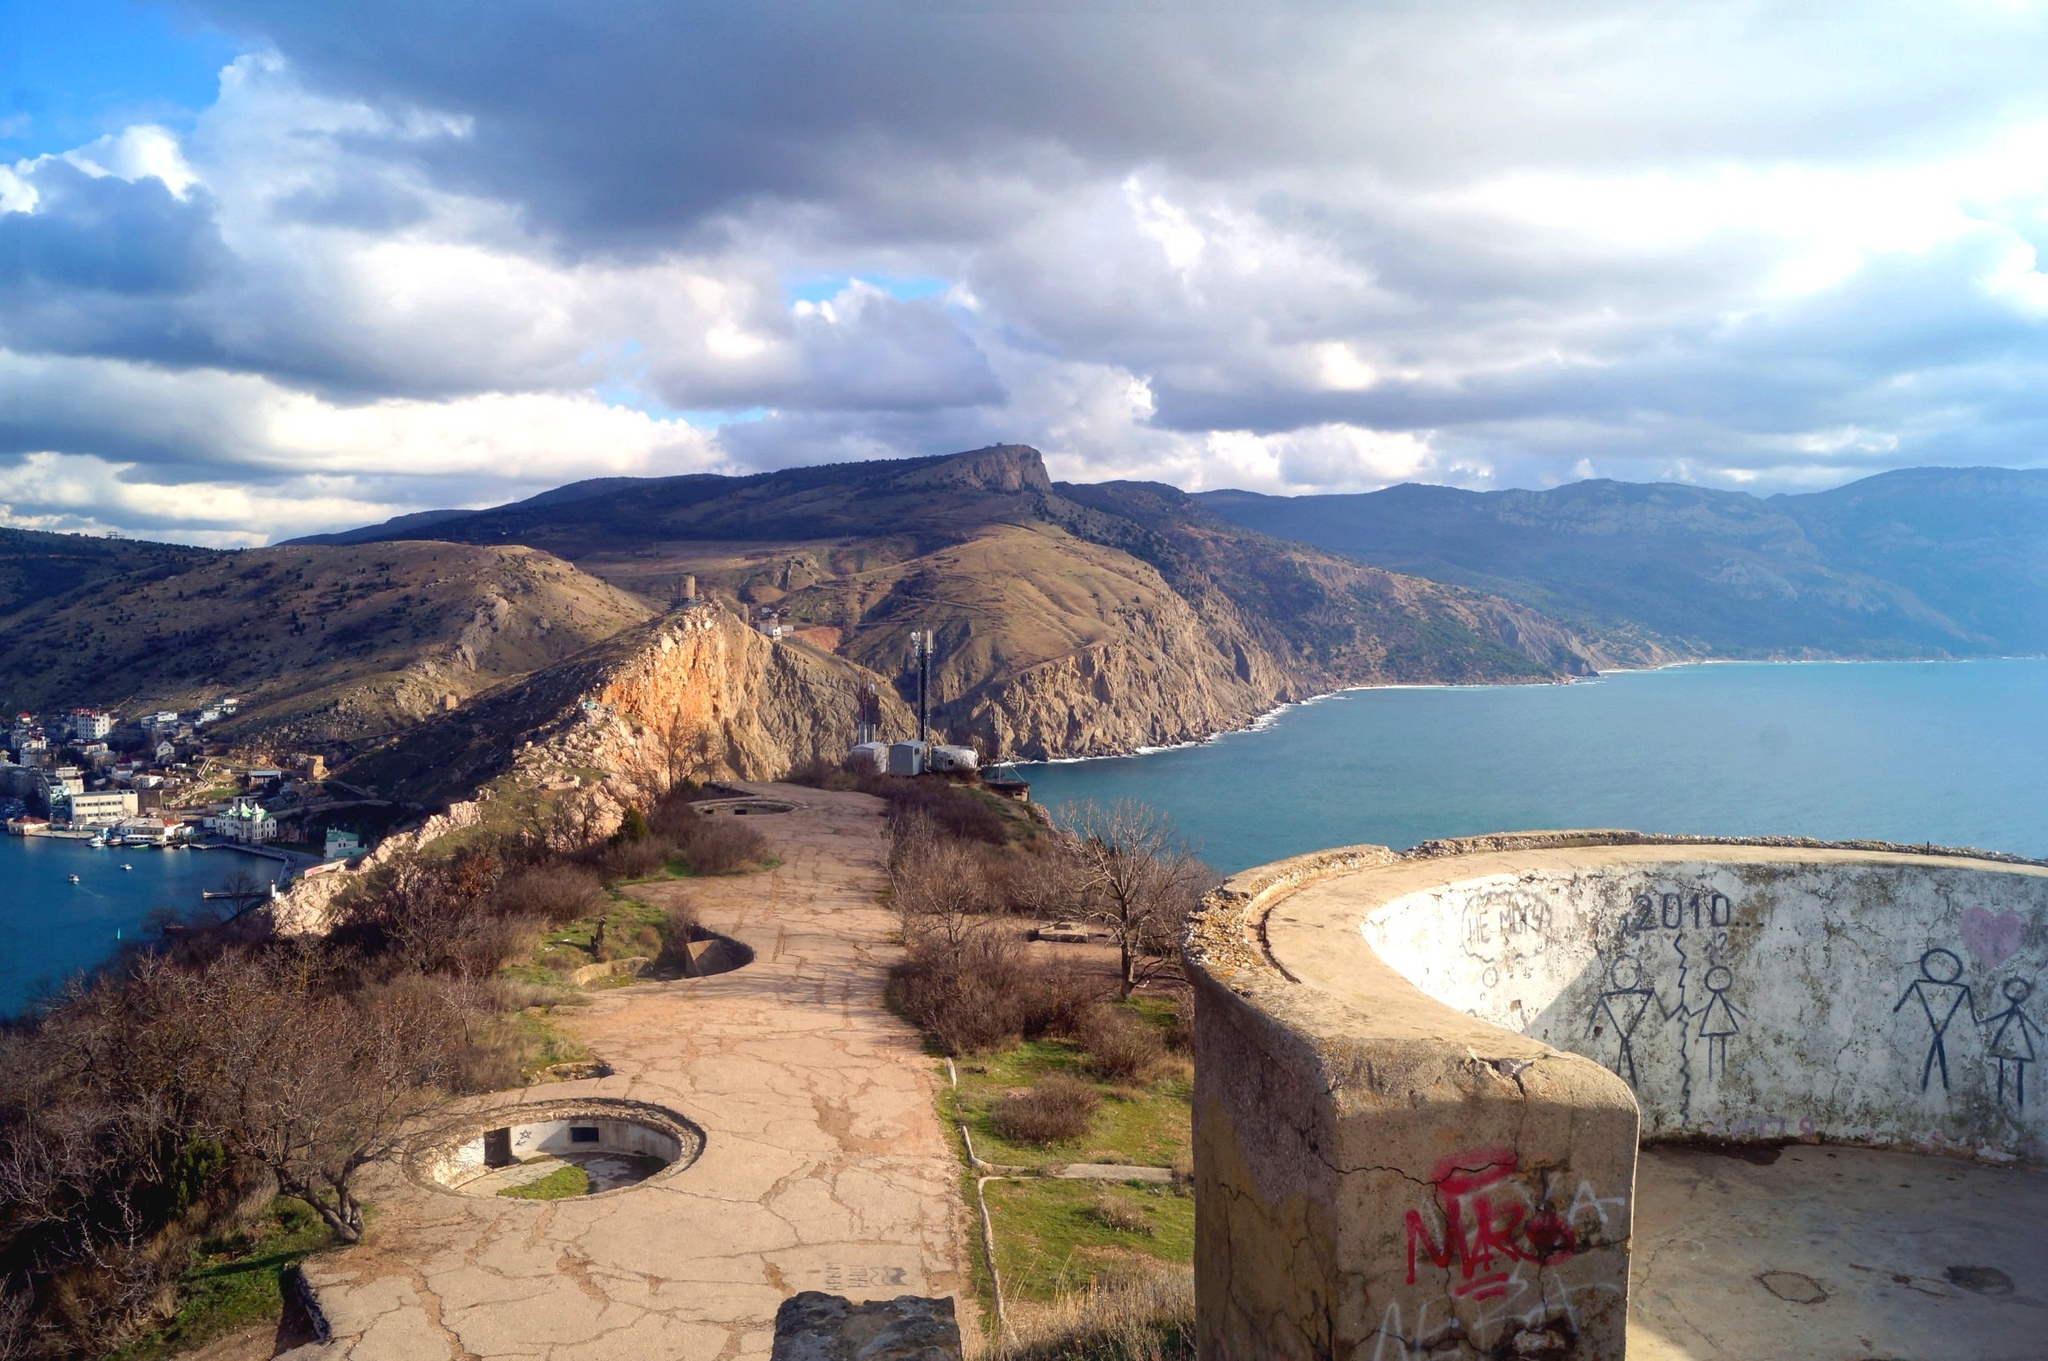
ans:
(1923, 562)
(1072, 619)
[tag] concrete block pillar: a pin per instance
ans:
(1378, 1176)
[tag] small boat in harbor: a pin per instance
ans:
(127, 867)
(72, 877)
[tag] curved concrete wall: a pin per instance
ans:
(1416, 1076)
(1753, 992)
(455, 1155)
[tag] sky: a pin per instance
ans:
(273, 267)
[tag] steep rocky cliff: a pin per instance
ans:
(694, 694)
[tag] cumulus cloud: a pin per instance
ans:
(430, 259)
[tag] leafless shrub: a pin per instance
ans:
(677, 932)
(724, 846)
(938, 884)
(634, 859)
(962, 992)
(1180, 1036)
(1139, 880)
(552, 893)
(312, 1085)
(1120, 1047)
(1056, 1109)
(675, 819)
(429, 916)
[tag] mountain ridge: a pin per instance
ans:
(1910, 563)
(1071, 620)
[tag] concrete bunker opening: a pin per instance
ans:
(558, 1150)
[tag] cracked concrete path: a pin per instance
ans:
(824, 1167)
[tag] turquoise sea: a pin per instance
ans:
(1954, 753)
(51, 928)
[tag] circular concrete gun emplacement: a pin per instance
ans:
(1421, 1080)
(558, 1150)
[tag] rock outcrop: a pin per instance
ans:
(692, 695)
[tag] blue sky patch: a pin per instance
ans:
(903, 287)
(74, 70)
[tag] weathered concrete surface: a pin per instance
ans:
(1380, 1176)
(1836, 1253)
(1747, 991)
(824, 1164)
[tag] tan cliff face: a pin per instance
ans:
(705, 696)
(692, 695)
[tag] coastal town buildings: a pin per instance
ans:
(101, 807)
(245, 821)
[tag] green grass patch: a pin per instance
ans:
(1060, 1235)
(541, 1042)
(1146, 1125)
(566, 948)
(234, 1281)
(678, 867)
(564, 1183)
(1055, 1235)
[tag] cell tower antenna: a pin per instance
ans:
(921, 654)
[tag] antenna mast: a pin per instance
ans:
(921, 653)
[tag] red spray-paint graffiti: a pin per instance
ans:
(1483, 1231)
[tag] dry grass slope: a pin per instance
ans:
(323, 645)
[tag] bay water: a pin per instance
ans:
(51, 928)
(1953, 753)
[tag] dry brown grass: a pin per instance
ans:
(1145, 1316)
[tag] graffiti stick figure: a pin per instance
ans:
(2012, 1039)
(1624, 1005)
(1718, 1017)
(1940, 998)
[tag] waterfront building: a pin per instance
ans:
(245, 821)
(101, 807)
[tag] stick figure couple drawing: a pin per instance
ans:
(1627, 1000)
(2010, 1035)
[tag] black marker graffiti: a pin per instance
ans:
(1941, 997)
(1718, 1018)
(1678, 911)
(2011, 1041)
(1624, 1005)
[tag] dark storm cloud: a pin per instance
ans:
(623, 123)
(99, 234)
(1295, 246)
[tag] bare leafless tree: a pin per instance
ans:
(1138, 879)
(940, 885)
(313, 1085)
